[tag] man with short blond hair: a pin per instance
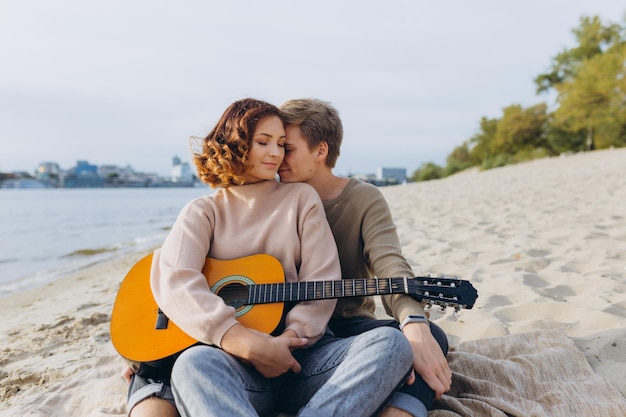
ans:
(368, 245)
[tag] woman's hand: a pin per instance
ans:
(127, 372)
(271, 356)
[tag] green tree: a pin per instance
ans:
(459, 159)
(593, 102)
(593, 39)
(520, 131)
(560, 140)
(427, 171)
(480, 143)
(589, 81)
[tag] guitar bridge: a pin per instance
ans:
(162, 320)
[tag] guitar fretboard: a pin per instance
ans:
(318, 290)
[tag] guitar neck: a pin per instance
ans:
(319, 290)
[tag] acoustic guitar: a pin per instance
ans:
(255, 287)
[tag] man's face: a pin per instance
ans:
(299, 163)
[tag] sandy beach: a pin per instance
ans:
(544, 243)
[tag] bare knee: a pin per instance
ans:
(154, 407)
(394, 412)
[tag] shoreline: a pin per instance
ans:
(35, 282)
(543, 242)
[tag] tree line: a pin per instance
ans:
(590, 110)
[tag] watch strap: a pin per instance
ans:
(413, 319)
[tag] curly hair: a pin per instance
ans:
(222, 161)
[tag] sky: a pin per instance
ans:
(127, 82)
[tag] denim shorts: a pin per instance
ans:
(141, 388)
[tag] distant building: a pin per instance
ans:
(23, 183)
(147, 179)
(47, 170)
(48, 173)
(83, 175)
(108, 171)
(181, 172)
(391, 175)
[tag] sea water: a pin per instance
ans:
(46, 233)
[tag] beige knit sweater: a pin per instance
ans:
(286, 221)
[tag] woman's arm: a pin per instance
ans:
(270, 355)
(178, 284)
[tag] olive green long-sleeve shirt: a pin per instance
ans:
(369, 247)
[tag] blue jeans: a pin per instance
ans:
(141, 388)
(346, 327)
(352, 376)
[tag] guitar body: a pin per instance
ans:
(140, 332)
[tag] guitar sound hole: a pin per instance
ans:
(234, 295)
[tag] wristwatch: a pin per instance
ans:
(413, 319)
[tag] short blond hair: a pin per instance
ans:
(319, 122)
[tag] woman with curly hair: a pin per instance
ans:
(237, 371)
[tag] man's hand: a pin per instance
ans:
(428, 359)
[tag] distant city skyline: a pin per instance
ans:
(83, 174)
(167, 168)
(86, 175)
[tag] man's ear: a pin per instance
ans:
(322, 151)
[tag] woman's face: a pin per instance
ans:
(267, 150)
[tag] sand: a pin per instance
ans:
(544, 242)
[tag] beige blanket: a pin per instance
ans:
(536, 374)
(533, 374)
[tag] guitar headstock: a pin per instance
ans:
(443, 291)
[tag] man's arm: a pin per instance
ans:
(382, 249)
